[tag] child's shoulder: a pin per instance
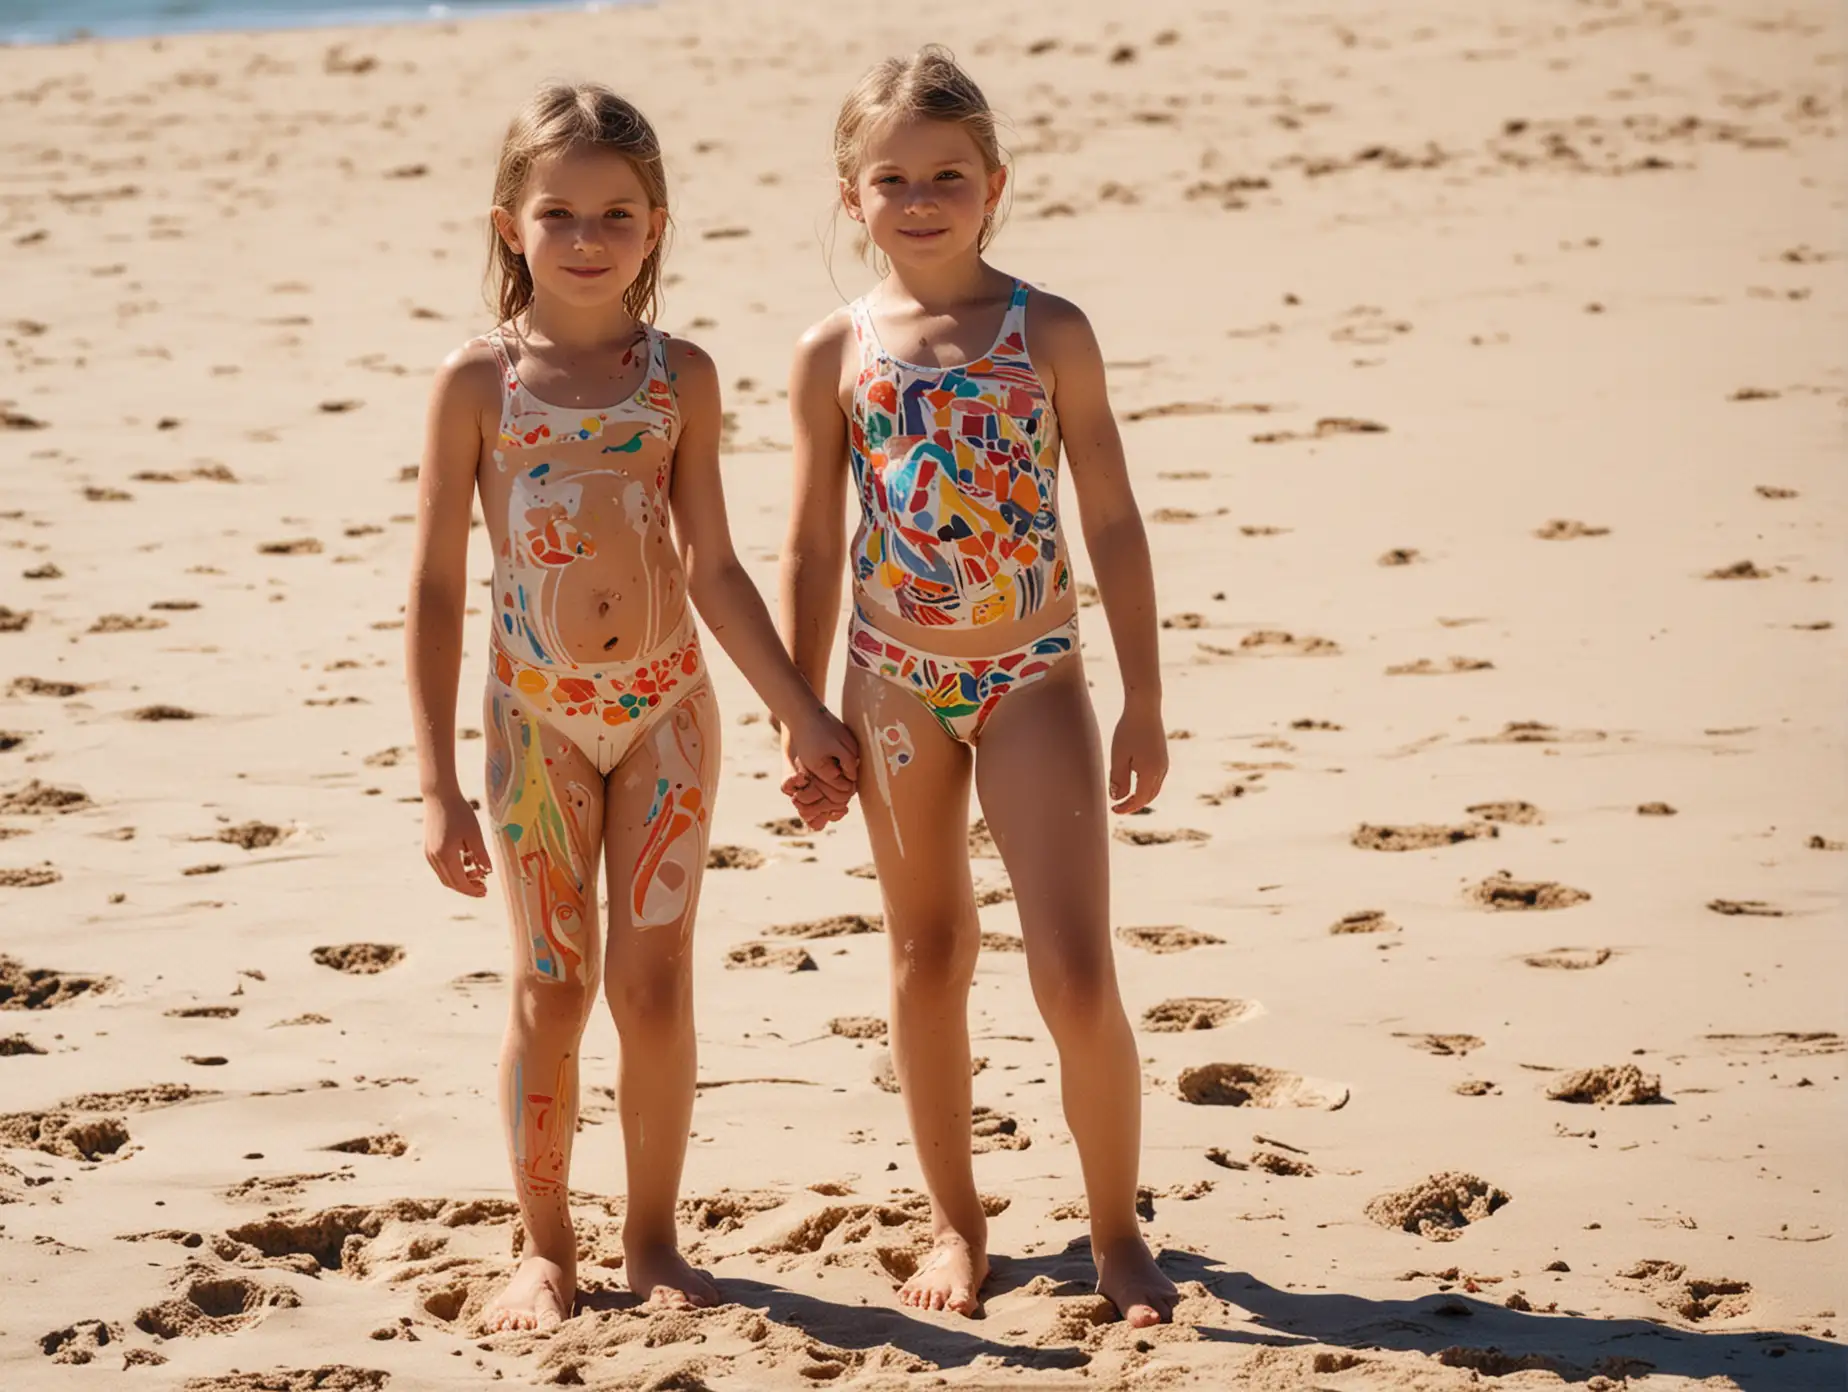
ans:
(1057, 327)
(471, 368)
(821, 344)
(687, 361)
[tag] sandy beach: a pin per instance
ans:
(1481, 370)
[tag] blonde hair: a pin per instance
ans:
(556, 119)
(929, 86)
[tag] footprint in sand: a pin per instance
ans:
(785, 826)
(18, 1046)
(157, 713)
(1427, 667)
(1363, 921)
(1513, 813)
(125, 623)
(1739, 570)
(1750, 908)
(1168, 938)
(359, 959)
(1655, 809)
(1003, 942)
(1788, 1043)
(1618, 1085)
(1421, 837)
(14, 620)
(1154, 836)
(734, 858)
(839, 926)
(1443, 1045)
(857, 1027)
(1771, 491)
(81, 1343)
(39, 686)
(1324, 428)
(1500, 892)
(1275, 642)
(1697, 1299)
(251, 836)
(38, 799)
(1196, 1013)
(203, 1012)
(1566, 529)
(777, 956)
(1251, 1085)
(1569, 958)
(1269, 1161)
(88, 1127)
(42, 988)
(1438, 1208)
(1400, 556)
(1538, 732)
(386, 1143)
(29, 876)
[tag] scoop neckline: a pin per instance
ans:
(640, 394)
(866, 311)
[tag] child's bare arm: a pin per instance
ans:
(459, 400)
(722, 591)
(1118, 545)
(815, 548)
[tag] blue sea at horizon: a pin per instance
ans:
(59, 21)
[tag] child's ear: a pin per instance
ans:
(997, 184)
(508, 229)
(850, 200)
(657, 229)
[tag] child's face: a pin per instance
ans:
(584, 226)
(922, 191)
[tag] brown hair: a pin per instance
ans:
(559, 118)
(926, 86)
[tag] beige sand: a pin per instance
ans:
(1458, 346)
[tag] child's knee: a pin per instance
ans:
(1076, 993)
(543, 1004)
(652, 1000)
(937, 960)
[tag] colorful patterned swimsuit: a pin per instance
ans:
(570, 464)
(956, 470)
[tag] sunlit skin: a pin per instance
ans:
(561, 822)
(923, 193)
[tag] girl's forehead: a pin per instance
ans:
(904, 139)
(587, 171)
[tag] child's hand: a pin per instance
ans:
(453, 844)
(823, 762)
(1139, 747)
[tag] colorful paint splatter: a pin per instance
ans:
(586, 484)
(677, 825)
(961, 692)
(957, 471)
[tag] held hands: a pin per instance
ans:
(821, 761)
(1139, 748)
(453, 844)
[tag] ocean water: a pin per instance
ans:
(52, 21)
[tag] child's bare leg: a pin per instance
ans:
(1040, 776)
(546, 802)
(656, 830)
(916, 817)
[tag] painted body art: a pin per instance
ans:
(895, 751)
(677, 824)
(544, 843)
(957, 474)
(959, 692)
(585, 517)
(541, 1125)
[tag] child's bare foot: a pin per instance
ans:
(539, 1296)
(949, 1278)
(661, 1276)
(1129, 1279)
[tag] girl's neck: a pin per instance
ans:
(587, 330)
(938, 289)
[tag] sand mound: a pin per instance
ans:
(776, 956)
(1168, 938)
(1195, 1013)
(41, 988)
(1422, 837)
(1438, 1208)
(1620, 1085)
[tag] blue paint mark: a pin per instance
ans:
(635, 443)
(539, 471)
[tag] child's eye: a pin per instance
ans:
(617, 213)
(554, 212)
(949, 174)
(887, 179)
